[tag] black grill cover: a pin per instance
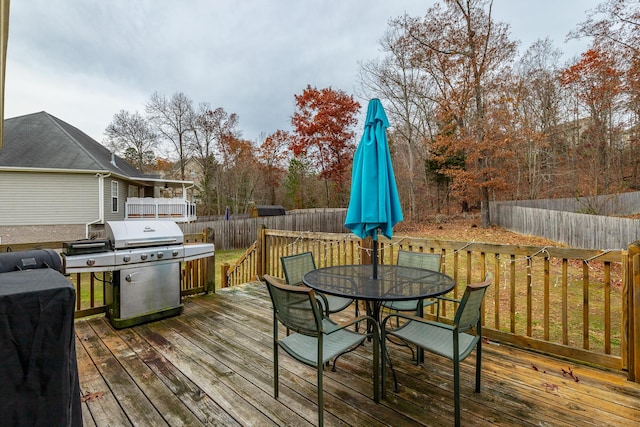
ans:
(39, 383)
(27, 260)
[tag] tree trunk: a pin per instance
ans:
(485, 215)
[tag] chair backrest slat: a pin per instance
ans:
(468, 312)
(425, 260)
(296, 266)
(295, 307)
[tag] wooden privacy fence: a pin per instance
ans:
(574, 229)
(240, 233)
(580, 222)
(574, 303)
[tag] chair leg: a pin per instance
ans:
(478, 364)
(376, 367)
(275, 370)
(387, 359)
(383, 370)
(456, 390)
(320, 396)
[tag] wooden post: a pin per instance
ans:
(224, 269)
(631, 313)
(208, 236)
(261, 256)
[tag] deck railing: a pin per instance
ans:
(574, 303)
(145, 208)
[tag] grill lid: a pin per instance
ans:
(30, 259)
(137, 234)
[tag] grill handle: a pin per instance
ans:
(87, 245)
(136, 243)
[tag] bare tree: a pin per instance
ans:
(130, 135)
(210, 128)
(172, 119)
(537, 104)
(408, 104)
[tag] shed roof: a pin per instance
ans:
(270, 210)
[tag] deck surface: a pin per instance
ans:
(212, 365)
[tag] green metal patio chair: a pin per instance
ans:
(428, 261)
(448, 340)
(425, 260)
(296, 266)
(316, 338)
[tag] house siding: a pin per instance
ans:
(37, 198)
(123, 189)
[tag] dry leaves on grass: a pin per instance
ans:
(467, 229)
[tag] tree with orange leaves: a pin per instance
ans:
(614, 26)
(323, 133)
(272, 156)
(597, 83)
(463, 53)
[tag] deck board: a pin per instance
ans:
(212, 365)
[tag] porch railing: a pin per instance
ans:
(573, 303)
(145, 208)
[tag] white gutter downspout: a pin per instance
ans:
(100, 203)
(184, 190)
(187, 205)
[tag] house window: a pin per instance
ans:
(134, 191)
(114, 196)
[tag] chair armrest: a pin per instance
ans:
(275, 279)
(340, 326)
(419, 320)
(322, 303)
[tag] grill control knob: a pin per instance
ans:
(126, 258)
(160, 255)
(143, 257)
(175, 253)
(91, 261)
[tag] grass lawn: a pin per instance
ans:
(226, 257)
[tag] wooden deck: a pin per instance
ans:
(212, 365)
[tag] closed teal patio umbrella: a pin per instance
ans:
(374, 204)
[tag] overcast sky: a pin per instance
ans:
(84, 60)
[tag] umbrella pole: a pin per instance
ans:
(375, 259)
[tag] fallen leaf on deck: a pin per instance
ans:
(90, 397)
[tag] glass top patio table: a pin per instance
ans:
(394, 283)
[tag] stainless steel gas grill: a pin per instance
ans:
(145, 258)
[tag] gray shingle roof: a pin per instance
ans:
(40, 140)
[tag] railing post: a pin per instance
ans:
(631, 315)
(261, 251)
(210, 262)
(224, 269)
